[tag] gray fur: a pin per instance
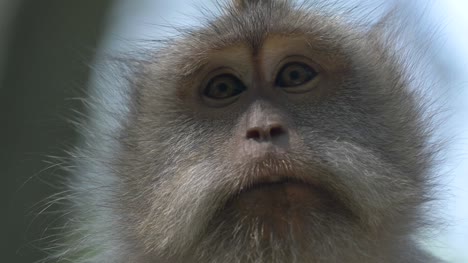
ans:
(150, 188)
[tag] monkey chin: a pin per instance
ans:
(280, 209)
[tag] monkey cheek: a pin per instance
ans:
(280, 210)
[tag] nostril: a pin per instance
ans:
(265, 133)
(254, 133)
(276, 131)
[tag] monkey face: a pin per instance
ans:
(257, 134)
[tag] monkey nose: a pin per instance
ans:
(266, 133)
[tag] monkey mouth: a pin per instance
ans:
(277, 194)
(273, 181)
(279, 203)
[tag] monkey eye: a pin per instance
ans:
(295, 74)
(224, 86)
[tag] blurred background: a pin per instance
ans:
(47, 49)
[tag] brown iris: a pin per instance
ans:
(295, 74)
(224, 86)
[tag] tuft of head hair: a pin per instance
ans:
(242, 5)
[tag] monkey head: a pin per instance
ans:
(274, 133)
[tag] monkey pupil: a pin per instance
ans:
(222, 88)
(294, 75)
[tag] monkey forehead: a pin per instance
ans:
(263, 62)
(254, 29)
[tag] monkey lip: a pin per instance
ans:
(274, 181)
(274, 189)
(286, 192)
(265, 177)
(278, 202)
(282, 204)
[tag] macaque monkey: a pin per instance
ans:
(274, 133)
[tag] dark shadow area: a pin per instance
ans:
(51, 45)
